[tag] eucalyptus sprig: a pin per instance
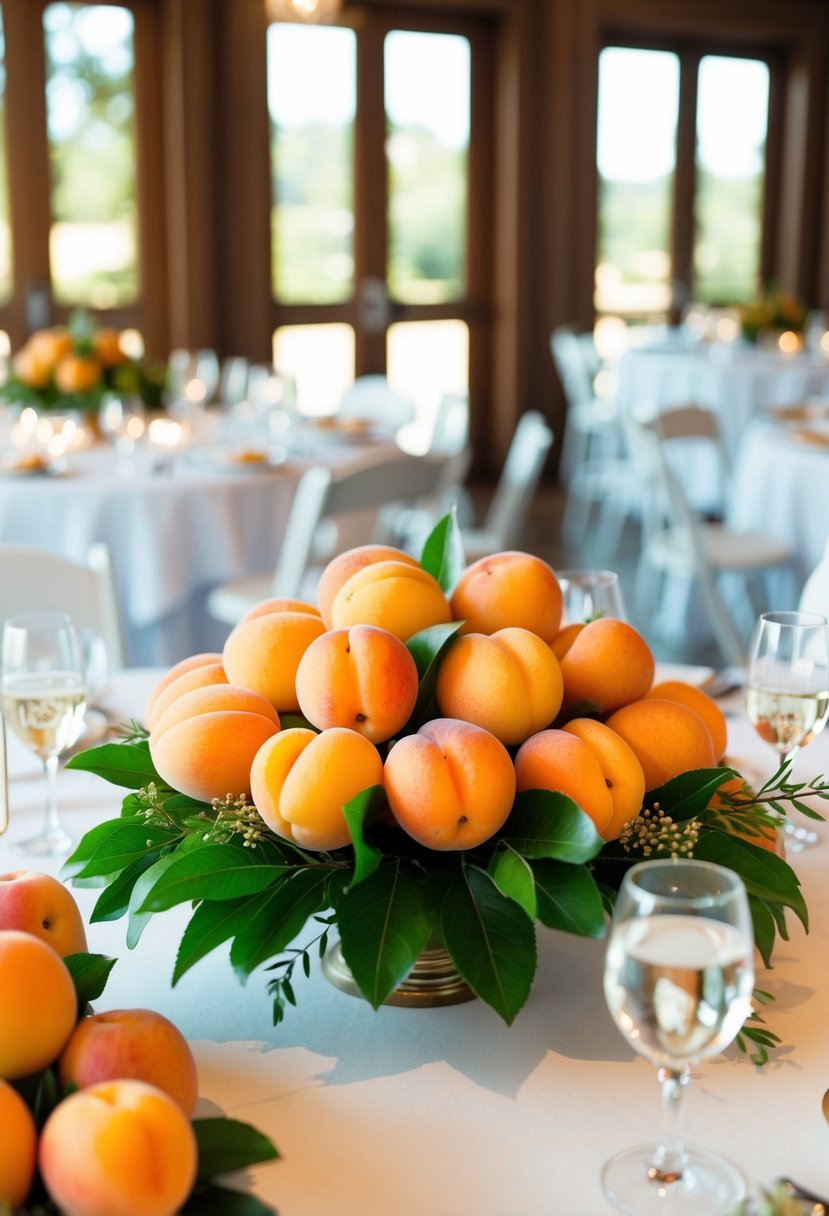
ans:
(755, 811)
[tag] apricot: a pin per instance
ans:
(50, 345)
(40, 904)
(204, 742)
(120, 1148)
(31, 368)
(701, 703)
(622, 771)
(395, 595)
(178, 669)
(770, 838)
(77, 374)
(608, 663)
(107, 346)
(300, 782)
(136, 1044)
(19, 1148)
(505, 589)
(362, 677)
(450, 786)
(263, 654)
(38, 1007)
(560, 761)
(509, 682)
(278, 604)
(340, 569)
(667, 737)
(197, 677)
(565, 638)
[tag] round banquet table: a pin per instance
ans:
(448, 1112)
(174, 531)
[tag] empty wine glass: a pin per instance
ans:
(787, 691)
(122, 420)
(44, 698)
(587, 594)
(679, 974)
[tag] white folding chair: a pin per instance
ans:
(373, 398)
(33, 580)
(510, 503)
(815, 594)
(322, 496)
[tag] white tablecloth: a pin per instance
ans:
(448, 1112)
(173, 536)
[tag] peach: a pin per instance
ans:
(278, 604)
(18, 1153)
(340, 569)
(38, 1007)
(565, 638)
(301, 781)
(450, 786)
(559, 760)
(622, 771)
(204, 742)
(197, 677)
(505, 589)
(397, 596)
(263, 654)
(509, 682)
(40, 904)
(608, 663)
(137, 1044)
(701, 703)
(77, 374)
(362, 677)
(667, 737)
(178, 669)
(120, 1148)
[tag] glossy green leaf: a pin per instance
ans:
(764, 928)
(90, 973)
(209, 926)
(114, 900)
(226, 1145)
(544, 824)
(443, 556)
(491, 941)
(128, 764)
(214, 872)
(427, 648)
(366, 808)
(208, 1199)
(513, 876)
(384, 924)
(275, 917)
(686, 795)
(568, 898)
(112, 846)
(765, 875)
(138, 919)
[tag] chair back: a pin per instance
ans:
(373, 398)
(519, 479)
(576, 361)
(321, 495)
(450, 433)
(32, 580)
(815, 594)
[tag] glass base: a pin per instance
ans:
(708, 1186)
(50, 844)
(798, 839)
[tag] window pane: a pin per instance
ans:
(425, 360)
(5, 225)
(312, 101)
(636, 153)
(91, 125)
(427, 108)
(732, 120)
(321, 360)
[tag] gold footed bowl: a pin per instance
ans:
(433, 981)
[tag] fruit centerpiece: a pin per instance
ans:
(428, 762)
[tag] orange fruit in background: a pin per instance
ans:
(30, 368)
(49, 346)
(509, 589)
(77, 374)
(608, 663)
(769, 838)
(700, 703)
(667, 738)
(107, 346)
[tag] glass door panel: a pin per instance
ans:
(427, 359)
(320, 358)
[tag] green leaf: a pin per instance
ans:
(443, 556)
(209, 926)
(114, 900)
(226, 1145)
(568, 898)
(207, 1199)
(764, 874)
(513, 877)
(126, 764)
(544, 824)
(47, 1096)
(426, 648)
(764, 928)
(139, 920)
(384, 924)
(112, 846)
(90, 973)
(214, 872)
(275, 917)
(685, 796)
(491, 941)
(367, 807)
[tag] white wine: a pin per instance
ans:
(679, 987)
(45, 711)
(786, 719)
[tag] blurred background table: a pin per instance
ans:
(448, 1112)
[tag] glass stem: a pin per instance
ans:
(51, 826)
(669, 1160)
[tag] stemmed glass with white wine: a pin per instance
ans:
(678, 979)
(787, 691)
(44, 699)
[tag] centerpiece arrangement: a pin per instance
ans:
(772, 312)
(429, 764)
(71, 367)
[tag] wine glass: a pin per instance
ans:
(122, 420)
(787, 690)
(587, 594)
(679, 974)
(44, 698)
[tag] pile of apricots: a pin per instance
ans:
(502, 684)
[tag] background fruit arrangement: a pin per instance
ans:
(424, 755)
